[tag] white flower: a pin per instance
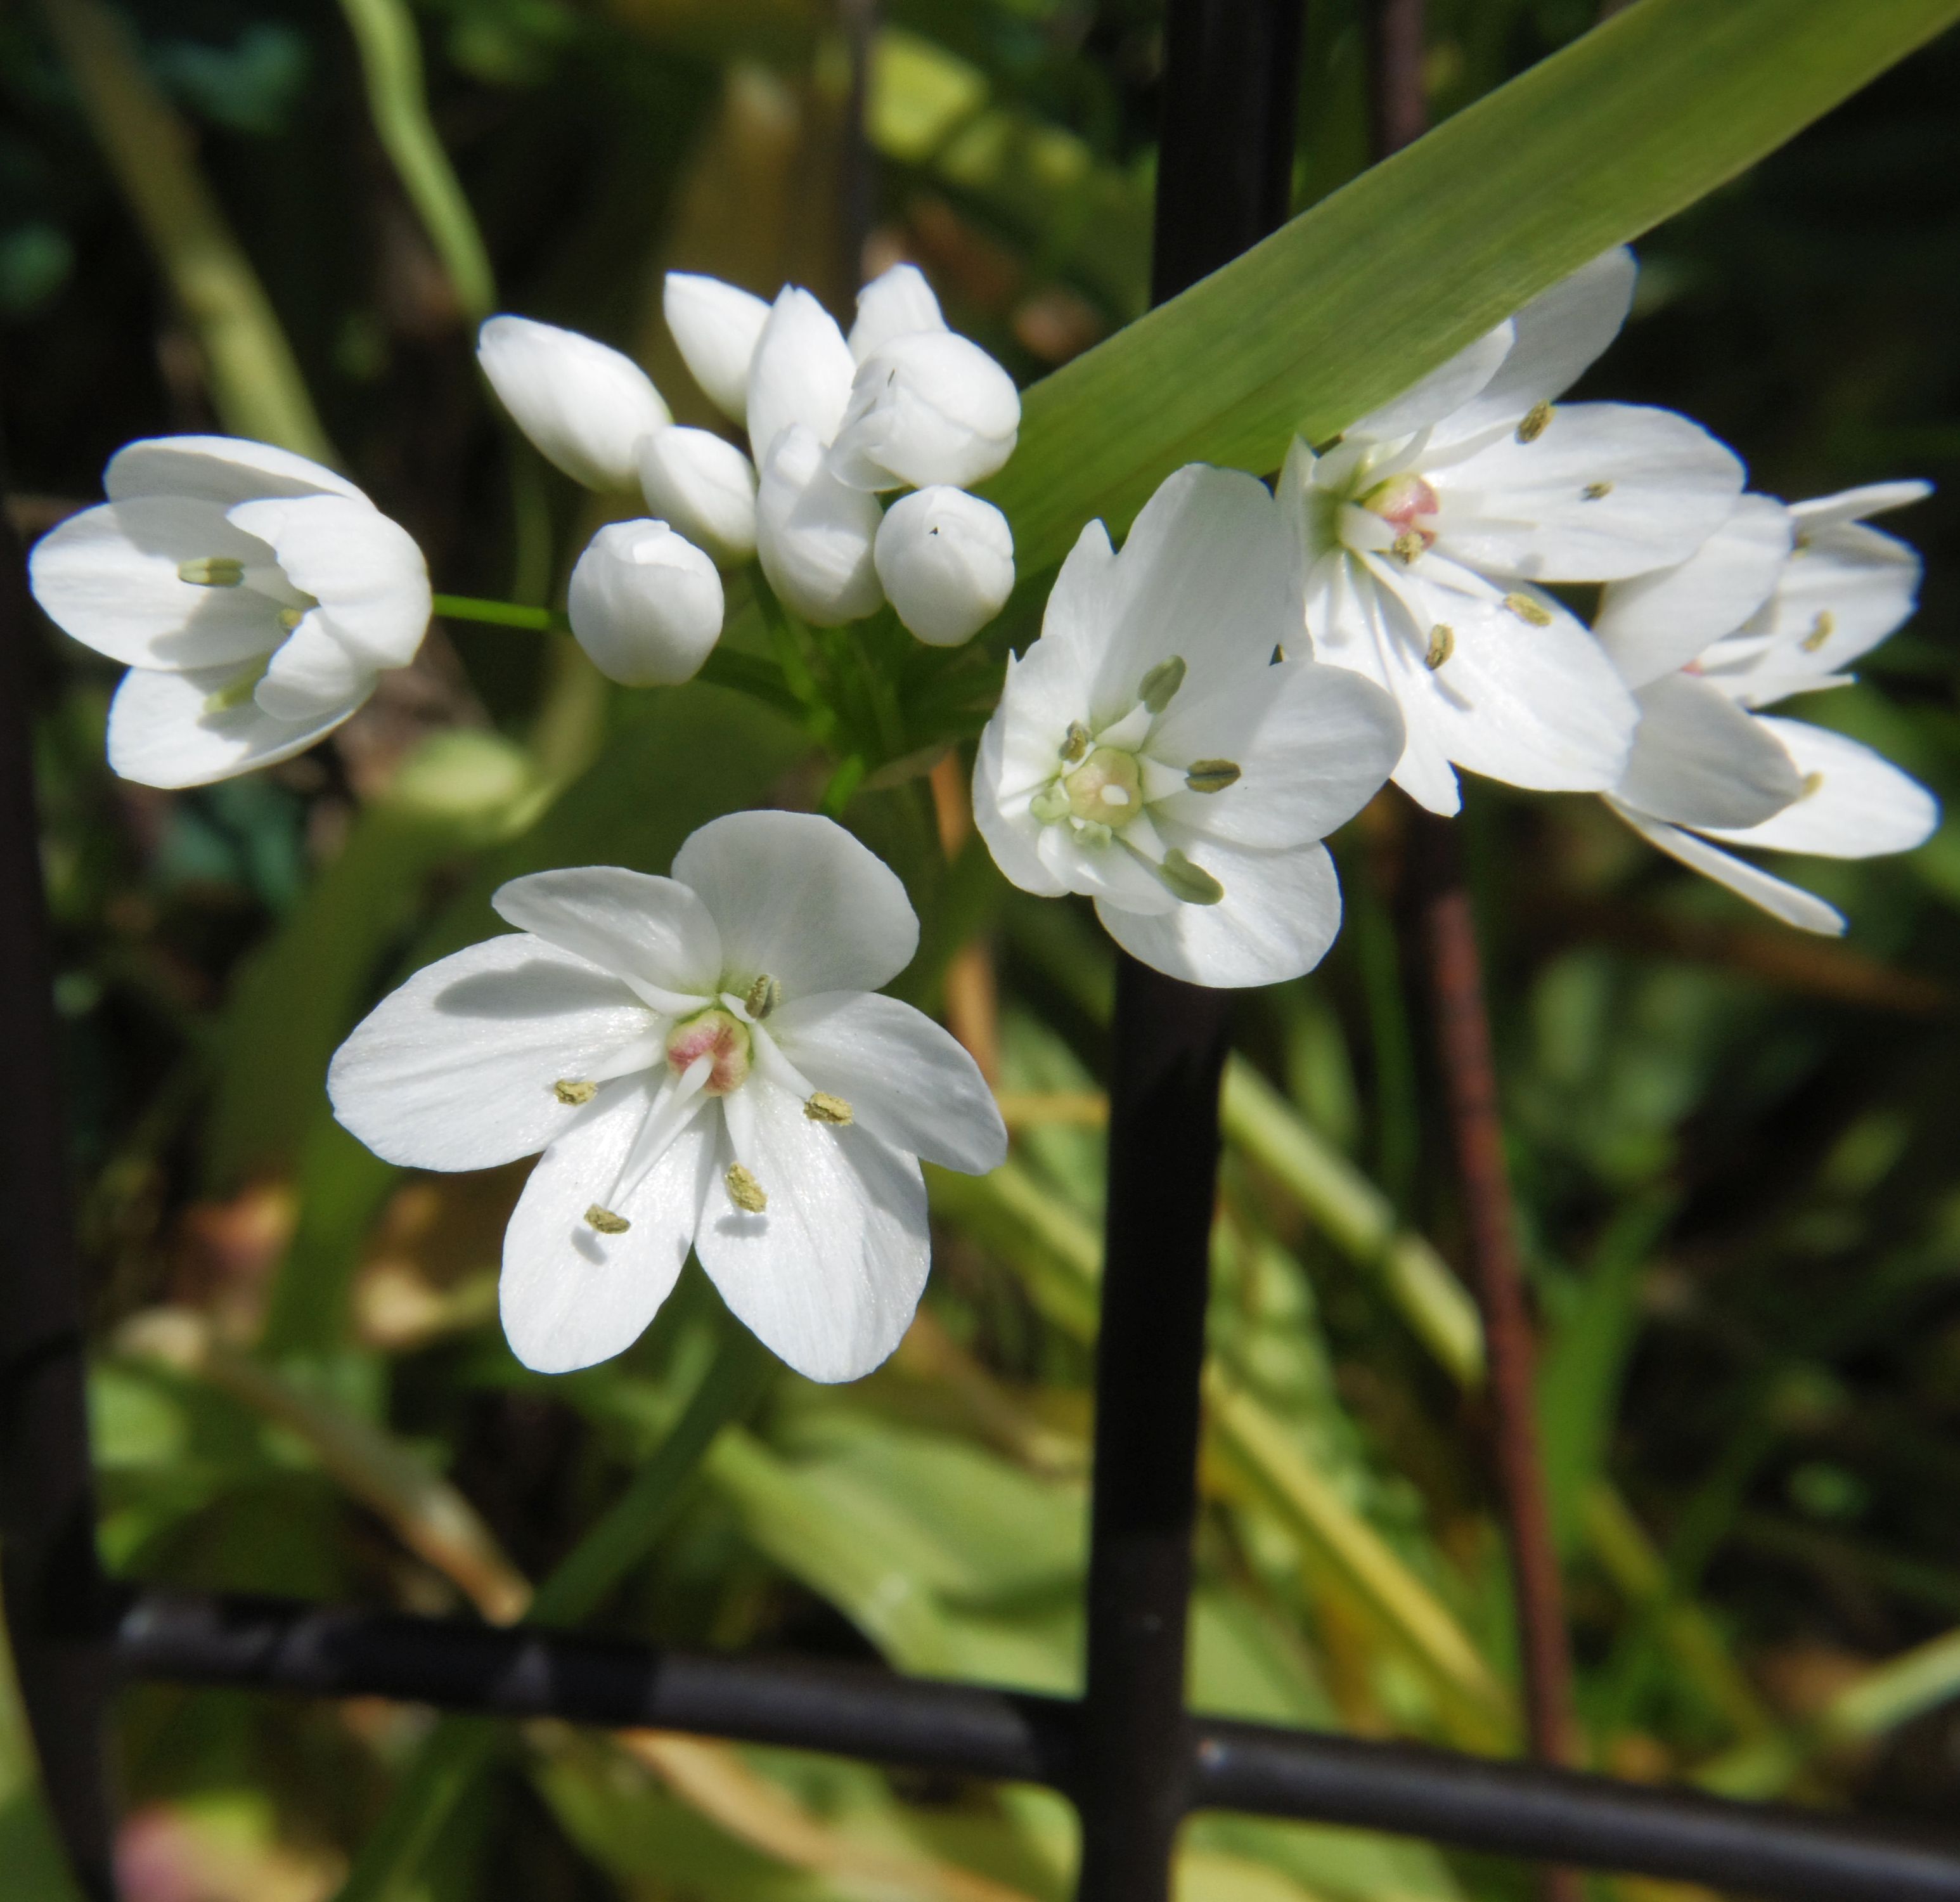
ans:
(1776, 602)
(702, 1061)
(586, 407)
(946, 560)
(1423, 533)
(716, 326)
(703, 486)
(1150, 751)
(816, 538)
(645, 604)
(254, 596)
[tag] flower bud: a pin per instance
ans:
(801, 373)
(586, 407)
(704, 487)
(645, 605)
(947, 559)
(929, 407)
(893, 304)
(716, 327)
(814, 535)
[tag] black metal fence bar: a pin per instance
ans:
(861, 1711)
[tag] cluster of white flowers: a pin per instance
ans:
(833, 423)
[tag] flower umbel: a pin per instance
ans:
(703, 1062)
(1153, 751)
(255, 595)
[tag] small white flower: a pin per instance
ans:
(1423, 535)
(718, 327)
(703, 486)
(645, 605)
(586, 407)
(946, 560)
(704, 1064)
(815, 537)
(1776, 602)
(254, 595)
(1151, 751)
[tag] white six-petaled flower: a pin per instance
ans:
(1777, 602)
(1153, 751)
(703, 1062)
(255, 596)
(1425, 534)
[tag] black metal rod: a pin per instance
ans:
(53, 1588)
(864, 1711)
(1224, 177)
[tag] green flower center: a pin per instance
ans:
(1106, 789)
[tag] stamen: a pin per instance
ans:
(212, 571)
(291, 617)
(1812, 782)
(823, 1107)
(1442, 644)
(1537, 417)
(1157, 687)
(1051, 803)
(1193, 883)
(1595, 492)
(1821, 631)
(1092, 834)
(1525, 609)
(1407, 545)
(1211, 775)
(1075, 741)
(606, 1222)
(1800, 542)
(238, 690)
(764, 996)
(572, 1091)
(744, 1191)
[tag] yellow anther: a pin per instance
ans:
(1536, 419)
(1157, 687)
(1193, 883)
(1821, 631)
(1211, 775)
(1407, 545)
(744, 1191)
(823, 1107)
(764, 996)
(572, 1091)
(1812, 782)
(1525, 609)
(1075, 742)
(239, 689)
(1442, 644)
(291, 617)
(1596, 490)
(212, 571)
(606, 1222)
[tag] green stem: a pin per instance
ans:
(469, 607)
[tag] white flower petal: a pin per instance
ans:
(570, 1296)
(704, 487)
(645, 603)
(1855, 805)
(1557, 335)
(801, 373)
(219, 469)
(1608, 490)
(312, 673)
(108, 577)
(907, 1080)
(718, 327)
(797, 898)
(946, 560)
(1776, 896)
(1655, 623)
(893, 304)
(816, 538)
(585, 406)
(656, 930)
(1447, 388)
(928, 407)
(1313, 744)
(1281, 912)
(1856, 504)
(829, 1274)
(365, 570)
(454, 1069)
(1107, 870)
(1001, 790)
(164, 731)
(1698, 760)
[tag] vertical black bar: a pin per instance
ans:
(1224, 177)
(56, 1601)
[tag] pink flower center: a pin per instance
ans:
(1404, 501)
(717, 1035)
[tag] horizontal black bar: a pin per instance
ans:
(1506, 1808)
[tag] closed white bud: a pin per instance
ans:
(703, 486)
(645, 605)
(893, 304)
(716, 325)
(947, 559)
(814, 536)
(928, 407)
(586, 407)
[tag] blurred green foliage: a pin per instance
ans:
(1735, 1150)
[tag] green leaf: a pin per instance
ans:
(1375, 286)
